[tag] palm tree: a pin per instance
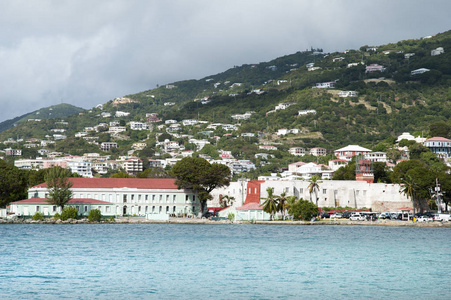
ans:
(314, 187)
(270, 203)
(409, 187)
(282, 204)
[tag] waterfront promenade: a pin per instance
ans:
(142, 220)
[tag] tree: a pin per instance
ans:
(58, 185)
(314, 187)
(409, 188)
(226, 201)
(13, 184)
(270, 203)
(198, 175)
(303, 210)
(345, 173)
(282, 204)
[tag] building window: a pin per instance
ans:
(133, 198)
(161, 198)
(37, 208)
(301, 190)
(124, 198)
(167, 198)
(174, 198)
(86, 208)
(107, 209)
(54, 208)
(187, 198)
(153, 198)
(78, 208)
(324, 191)
(139, 197)
(147, 198)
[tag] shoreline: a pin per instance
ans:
(327, 222)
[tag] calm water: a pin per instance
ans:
(223, 262)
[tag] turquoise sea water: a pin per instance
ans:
(132, 261)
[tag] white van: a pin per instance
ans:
(357, 217)
(442, 217)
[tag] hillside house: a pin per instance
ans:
(106, 146)
(349, 151)
(374, 68)
(437, 51)
(306, 112)
(297, 151)
(419, 71)
(119, 114)
(318, 151)
(117, 129)
(440, 146)
(138, 126)
(325, 85)
(345, 94)
(336, 164)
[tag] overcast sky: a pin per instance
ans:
(89, 52)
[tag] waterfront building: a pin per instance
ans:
(131, 196)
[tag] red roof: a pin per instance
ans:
(405, 208)
(109, 183)
(72, 201)
(250, 206)
(438, 138)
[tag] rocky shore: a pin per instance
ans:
(141, 220)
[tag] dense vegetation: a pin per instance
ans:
(389, 103)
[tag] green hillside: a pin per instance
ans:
(52, 112)
(388, 103)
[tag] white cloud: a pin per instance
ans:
(88, 52)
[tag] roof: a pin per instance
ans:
(439, 139)
(250, 206)
(133, 183)
(405, 208)
(72, 201)
(353, 148)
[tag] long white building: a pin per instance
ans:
(126, 196)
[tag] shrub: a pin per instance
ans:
(69, 213)
(38, 216)
(231, 216)
(303, 210)
(57, 216)
(94, 215)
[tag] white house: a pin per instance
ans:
(138, 126)
(121, 114)
(306, 112)
(374, 68)
(437, 51)
(419, 71)
(128, 196)
(318, 151)
(297, 151)
(349, 151)
(348, 94)
(376, 156)
(325, 85)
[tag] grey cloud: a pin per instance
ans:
(88, 52)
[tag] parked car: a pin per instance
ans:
(357, 217)
(336, 216)
(384, 216)
(425, 219)
(347, 214)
